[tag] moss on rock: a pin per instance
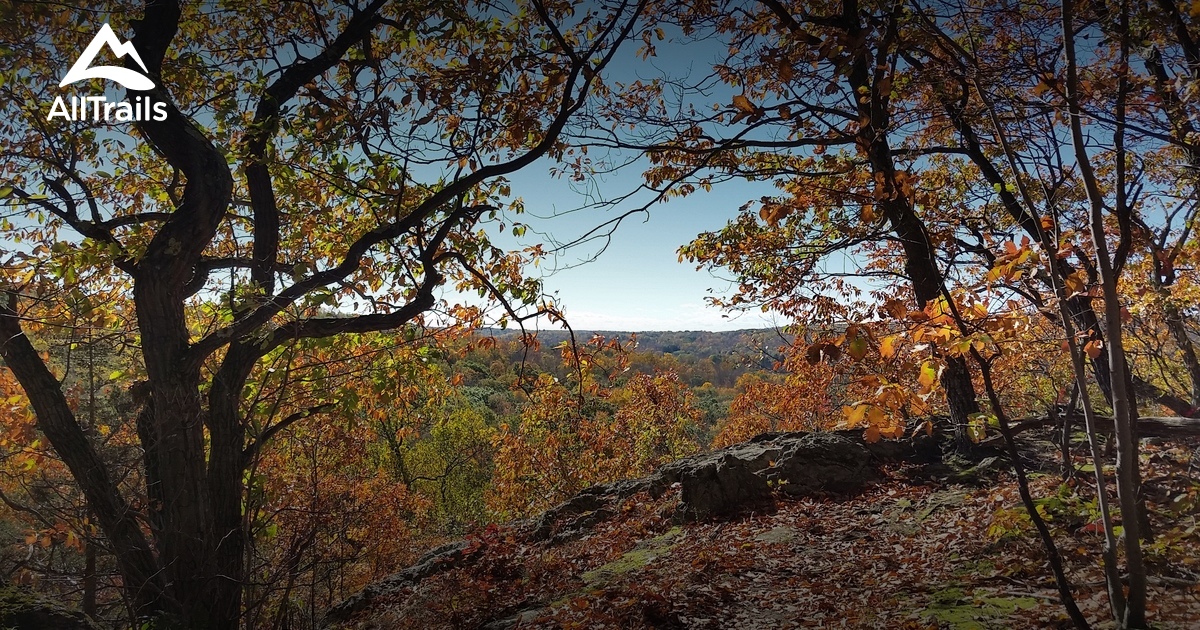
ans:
(22, 610)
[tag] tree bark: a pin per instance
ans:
(1178, 329)
(1123, 402)
(920, 260)
(1148, 426)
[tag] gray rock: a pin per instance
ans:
(516, 620)
(727, 481)
(23, 610)
(777, 536)
(435, 561)
(575, 517)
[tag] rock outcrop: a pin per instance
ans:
(22, 610)
(436, 560)
(712, 485)
(729, 480)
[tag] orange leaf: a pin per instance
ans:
(744, 104)
(918, 316)
(1076, 283)
(895, 308)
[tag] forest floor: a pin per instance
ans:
(915, 551)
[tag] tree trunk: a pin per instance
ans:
(1123, 402)
(1052, 554)
(920, 261)
(1178, 329)
(89, 579)
(143, 582)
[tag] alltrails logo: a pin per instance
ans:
(99, 107)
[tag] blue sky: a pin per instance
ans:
(637, 282)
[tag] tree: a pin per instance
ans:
(320, 170)
(1083, 146)
(816, 106)
(1007, 157)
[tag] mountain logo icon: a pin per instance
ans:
(131, 79)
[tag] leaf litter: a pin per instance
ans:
(929, 554)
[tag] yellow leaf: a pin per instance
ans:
(854, 415)
(887, 348)
(928, 375)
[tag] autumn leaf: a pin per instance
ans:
(928, 375)
(746, 109)
(857, 348)
(1076, 283)
(743, 104)
(855, 414)
(876, 416)
(822, 351)
(894, 308)
(773, 213)
(887, 347)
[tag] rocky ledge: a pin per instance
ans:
(717, 484)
